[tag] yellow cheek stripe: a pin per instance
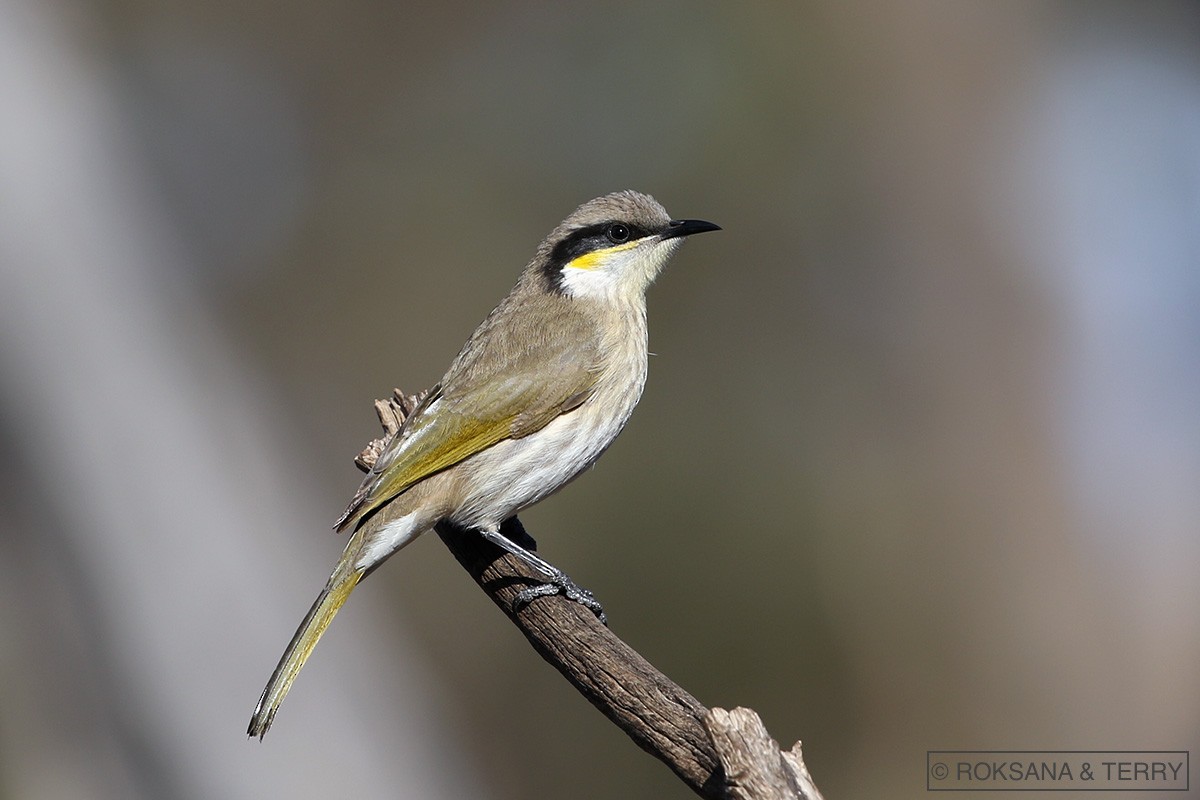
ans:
(596, 258)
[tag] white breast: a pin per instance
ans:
(516, 473)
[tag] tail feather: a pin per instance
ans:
(345, 577)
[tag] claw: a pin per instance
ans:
(557, 581)
(560, 584)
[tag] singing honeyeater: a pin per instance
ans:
(537, 393)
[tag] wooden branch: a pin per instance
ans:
(722, 755)
(754, 767)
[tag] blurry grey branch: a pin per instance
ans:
(723, 755)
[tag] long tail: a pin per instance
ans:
(343, 580)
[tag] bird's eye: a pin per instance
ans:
(618, 233)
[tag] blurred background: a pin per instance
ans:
(918, 462)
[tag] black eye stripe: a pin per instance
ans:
(585, 240)
(579, 242)
(589, 239)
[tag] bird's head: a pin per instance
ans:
(612, 247)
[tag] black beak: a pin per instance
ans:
(686, 227)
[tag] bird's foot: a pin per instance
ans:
(557, 581)
(560, 583)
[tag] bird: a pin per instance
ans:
(538, 392)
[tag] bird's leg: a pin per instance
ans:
(514, 531)
(557, 581)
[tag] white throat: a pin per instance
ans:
(619, 273)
